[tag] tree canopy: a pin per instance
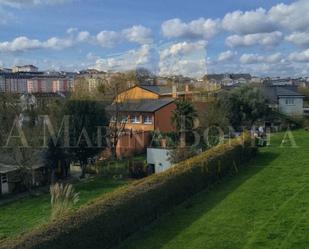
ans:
(245, 105)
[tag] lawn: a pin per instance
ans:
(22, 215)
(264, 206)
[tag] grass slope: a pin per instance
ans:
(265, 206)
(23, 215)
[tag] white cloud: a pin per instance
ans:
(255, 58)
(263, 39)
(186, 67)
(249, 22)
(83, 36)
(299, 38)
(226, 56)
(196, 29)
(23, 43)
(185, 58)
(108, 38)
(183, 48)
(80, 36)
(302, 56)
(127, 61)
(137, 34)
(294, 16)
(57, 43)
(274, 58)
(251, 58)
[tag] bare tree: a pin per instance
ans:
(116, 93)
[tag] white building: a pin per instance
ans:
(25, 68)
(158, 159)
(285, 100)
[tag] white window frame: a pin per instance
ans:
(289, 101)
(135, 119)
(149, 119)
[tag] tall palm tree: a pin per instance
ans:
(183, 116)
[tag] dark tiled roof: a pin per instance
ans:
(217, 77)
(4, 168)
(161, 90)
(9, 164)
(281, 91)
(239, 76)
(272, 93)
(149, 105)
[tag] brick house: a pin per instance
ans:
(140, 92)
(141, 117)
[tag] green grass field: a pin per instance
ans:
(25, 214)
(264, 206)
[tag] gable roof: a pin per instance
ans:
(272, 93)
(149, 105)
(160, 90)
(281, 91)
(8, 162)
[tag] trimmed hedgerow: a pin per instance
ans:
(111, 219)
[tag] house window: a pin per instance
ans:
(289, 101)
(135, 119)
(4, 179)
(147, 119)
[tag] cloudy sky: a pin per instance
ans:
(261, 37)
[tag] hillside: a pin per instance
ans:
(265, 206)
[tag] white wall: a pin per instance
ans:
(297, 108)
(158, 157)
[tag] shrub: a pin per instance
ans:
(111, 219)
(63, 197)
(181, 153)
(110, 168)
(137, 169)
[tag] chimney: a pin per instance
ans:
(174, 91)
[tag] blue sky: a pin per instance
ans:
(261, 37)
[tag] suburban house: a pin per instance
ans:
(142, 111)
(140, 92)
(229, 79)
(285, 99)
(278, 82)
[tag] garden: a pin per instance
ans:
(264, 206)
(33, 210)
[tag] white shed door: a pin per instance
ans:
(4, 184)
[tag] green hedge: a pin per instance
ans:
(111, 219)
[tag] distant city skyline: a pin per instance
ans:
(168, 37)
